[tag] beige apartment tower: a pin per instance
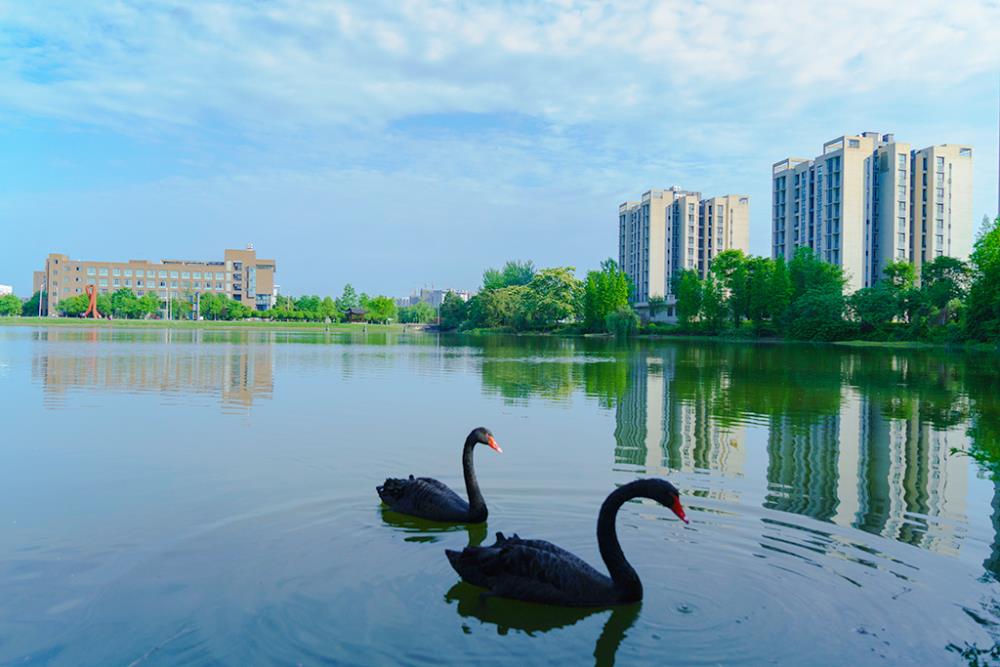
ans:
(670, 230)
(869, 200)
(240, 275)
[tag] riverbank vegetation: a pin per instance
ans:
(949, 301)
(519, 298)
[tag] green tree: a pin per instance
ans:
(453, 310)
(124, 303)
(780, 291)
(212, 306)
(348, 299)
(237, 310)
(10, 305)
(104, 304)
(605, 292)
(513, 273)
(807, 272)
(148, 304)
(30, 307)
(760, 297)
(875, 308)
(713, 304)
(982, 311)
(499, 307)
(381, 309)
(817, 314)
(553, 296)
(180, 309)
(689, 296)
(623, 322)
(328, 310)
(73, 306)
(730, 270)
(420, 312)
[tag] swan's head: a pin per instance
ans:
(484, 436)
(664, 493)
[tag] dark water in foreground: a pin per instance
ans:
(204, 498)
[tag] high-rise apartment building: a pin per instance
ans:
(240, 275)
(869, 200)
(670, 230)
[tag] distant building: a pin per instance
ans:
(869, 200)
(670, 230)
(5, 290)
(432, 297)
(240, 275)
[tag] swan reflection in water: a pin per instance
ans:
(532, 618)
(422, 530)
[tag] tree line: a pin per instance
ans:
(519, 297)
(949, 301)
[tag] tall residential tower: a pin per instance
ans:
(670, 230)
(869, 200)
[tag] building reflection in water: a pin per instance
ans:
(236, 372)
(837, 451)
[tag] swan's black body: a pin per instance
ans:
(430, 499)
(539, 571)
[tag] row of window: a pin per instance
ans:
(141, 273)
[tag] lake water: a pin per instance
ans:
(207, 498)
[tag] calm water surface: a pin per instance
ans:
(207, 498)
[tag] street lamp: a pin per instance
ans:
(41, 291)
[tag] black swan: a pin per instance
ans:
(539, 571)
(430, 499)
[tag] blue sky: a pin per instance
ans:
(402, 144)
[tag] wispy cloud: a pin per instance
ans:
(597, 98)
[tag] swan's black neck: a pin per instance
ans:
(626, 580)
(477, 506)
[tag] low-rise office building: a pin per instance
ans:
(240, 275)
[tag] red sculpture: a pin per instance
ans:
(92, 307)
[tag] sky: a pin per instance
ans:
(404, 144)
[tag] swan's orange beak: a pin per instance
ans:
(678, 509)
(493, 444)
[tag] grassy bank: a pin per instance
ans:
(204, 324)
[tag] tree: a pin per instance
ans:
(104, 304)
(348, 299)
(211, 306)
(759, 281)
(656, 305)
(310, 306)
(73, 306)
(420, 312)
(452, 311)
(817, 314)
(943, 280)
(10, 305)
(875, 307)
(605, 292)
(513, 273)
(237, 310)
(730, 270)
(148, 304)
(623, 322)
(30, 307)
(497, 307)
(713, 304)
(808, 272)
(328, 310)
(982, 311)
(780, 291)
(553, 296)
(124, 303)
(381, 309)
(688, 291)
(180, 309)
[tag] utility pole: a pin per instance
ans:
(41, 292)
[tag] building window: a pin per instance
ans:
(138, 282)
(901, 160)
(163, 274)
(854, 143)
(185, 284)
(185, 274)
(102, 272)
(218, 276)
(901, 174)
(940, 208)
(91, 271)
(940, 193)
(103, 282)
(901, 237)
(173, 274)
(939, 161)
(128, 282)
(197, 284)
(196, 275)
(939, 239)
(116, 282)
(173, 284)
(939, 225)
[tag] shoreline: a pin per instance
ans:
(357, 327)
